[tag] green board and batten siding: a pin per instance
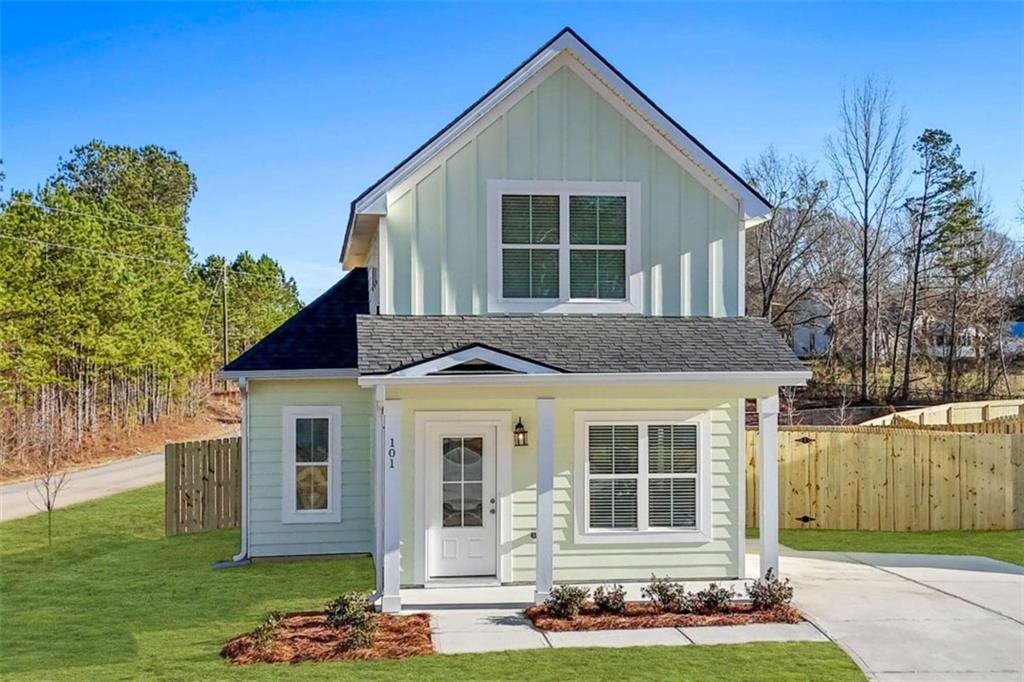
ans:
(562, 130)
(267, 535)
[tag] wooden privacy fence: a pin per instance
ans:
(873, 478)
(954, 413)
(203, 485)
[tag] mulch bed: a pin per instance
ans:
(307, 637)
(643, 615)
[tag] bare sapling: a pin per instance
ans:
(51, 478)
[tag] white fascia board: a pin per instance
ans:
(290, 374)
(609, 378)
(470, 354)
(752, 207)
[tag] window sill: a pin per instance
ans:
(293, 517)
(636, 537)
(560, 306)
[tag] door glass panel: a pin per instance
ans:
(473, 459)
(473, 504)
(451, 459)
(462, 493)
(451, 510)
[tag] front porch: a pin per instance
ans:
(537, 516)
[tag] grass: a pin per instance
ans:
(1004, 545)
(114, 600)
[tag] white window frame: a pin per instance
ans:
(289, 512)
(584, 534)
(496, 302)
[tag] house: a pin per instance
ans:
(536, 368)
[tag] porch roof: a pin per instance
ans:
(585, 344)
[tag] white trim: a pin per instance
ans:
(582, 534)
(497, 303)
(470, 354)
(545, 546)
(289, 514)
(768, 482)
(391, 601)
(502, 423)
(379, 396)
(724, 379)
(344, 373)
(741, 493)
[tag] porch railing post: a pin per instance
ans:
(391, 601)
(545, 496)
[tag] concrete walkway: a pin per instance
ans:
(907, 617)
(16, 499)
(902, 618)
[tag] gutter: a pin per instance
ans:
(243, 554)
(785, 378)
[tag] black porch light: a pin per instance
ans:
(519, 433)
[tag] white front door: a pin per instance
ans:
(463, 505)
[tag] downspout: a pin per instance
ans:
(243, 388)
(378, 491)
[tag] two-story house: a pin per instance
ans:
(536, 368)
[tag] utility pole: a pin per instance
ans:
(224, 313)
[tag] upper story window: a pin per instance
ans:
(563, 246)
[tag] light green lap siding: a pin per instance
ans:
(267, 535)
(561, 130)
(574, 562)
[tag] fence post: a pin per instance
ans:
(170, 489)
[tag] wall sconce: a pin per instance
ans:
(519, 434)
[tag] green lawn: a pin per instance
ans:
(1004, 545)
(114, 599)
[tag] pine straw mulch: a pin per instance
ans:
(306, 636)
(643, 615)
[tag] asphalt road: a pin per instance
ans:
(16, 499)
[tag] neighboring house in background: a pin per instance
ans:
(536, 368)
(812, 331)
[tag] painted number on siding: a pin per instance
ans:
(391, 454)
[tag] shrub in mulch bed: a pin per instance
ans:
(307, 636)
(643, 615)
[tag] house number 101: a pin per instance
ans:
(391, 454)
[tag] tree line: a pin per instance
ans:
(107, 321)
(892, 252)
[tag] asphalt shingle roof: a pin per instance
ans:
(320, 336)
(581, 343)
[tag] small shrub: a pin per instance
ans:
(668, 595)
(354, 611)
(714, 599)
(769, 592)
(266, 632)
(611, 600)
(565, 601)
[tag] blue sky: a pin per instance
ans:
(286, 111)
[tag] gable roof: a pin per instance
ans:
(752, 203)
(580, 343)
(321, 336)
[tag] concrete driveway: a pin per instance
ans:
(16, 499)
(915, 617)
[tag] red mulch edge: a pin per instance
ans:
(643, 615)
(307, 637)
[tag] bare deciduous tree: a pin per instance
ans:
(49, 482)
(867, 157)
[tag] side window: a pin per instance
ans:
(597, 256)
(529, 246)
(311, 459)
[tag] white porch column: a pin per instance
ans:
(391, 602)
(545, 497)
(768, 481)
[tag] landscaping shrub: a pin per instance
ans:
(769, 592)
(565, 601)
(668, 595)
(266, 632)
(714, 599)
(353, 610)
(611, 600)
